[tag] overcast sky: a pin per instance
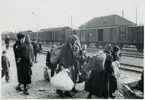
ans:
(16, 15)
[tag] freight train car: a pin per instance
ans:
(125, 35)
(54, 34)
(133, 35)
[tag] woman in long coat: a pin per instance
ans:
(24, 65)
(98, 84)
(17, 53)
(68, 60)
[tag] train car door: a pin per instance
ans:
(100, 34)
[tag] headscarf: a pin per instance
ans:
(116, 48)
(29, 47)
(75, 43)
(108, 49)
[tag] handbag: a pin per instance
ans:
(62, 81)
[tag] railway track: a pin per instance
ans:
(126, 67)
(123, 54)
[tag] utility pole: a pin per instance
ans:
(136, 12)
(37, 25)
(71, 25)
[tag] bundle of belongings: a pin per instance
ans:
(98, 61)
(116, 72)
(62, 81)
(55, 55)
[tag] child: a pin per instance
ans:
(5, 66)
(48, 61)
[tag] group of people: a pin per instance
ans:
(101, 82)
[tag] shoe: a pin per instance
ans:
(75, 90)
(111, 96)
(58, 91)
(89, 96)
(18, 88)
(25, 91)
(69, 95)
(62, 95)
(7, 81)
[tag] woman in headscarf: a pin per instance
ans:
(30, 51)
(68, 60)
(95, 83)
(113, 81)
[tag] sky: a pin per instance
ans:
(19, 15)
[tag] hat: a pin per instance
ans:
(20, 36)
(116, 48)
(108, 49)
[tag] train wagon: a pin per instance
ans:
(120, 35)
(124, 35)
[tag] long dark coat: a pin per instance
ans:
(23, 67)
(98, 84)
(68, 60)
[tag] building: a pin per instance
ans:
(107, 21)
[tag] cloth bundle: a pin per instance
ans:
(55, 55)
(62, 81)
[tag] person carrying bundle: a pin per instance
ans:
(68, 61)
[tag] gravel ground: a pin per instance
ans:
(41, 89)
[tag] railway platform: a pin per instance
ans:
(38, 83)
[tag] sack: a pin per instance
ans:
(55, 55)
(46, 74)
(116, 72)
(98, 61)
(62, 81)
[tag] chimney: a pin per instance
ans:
(123, 14)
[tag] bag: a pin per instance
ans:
(116, 72)
(97, 62)
(62, 81)
(55, 55)
(46, 74)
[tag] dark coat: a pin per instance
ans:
(7, 41)
(5, 64)
(99, 81)
(23, 67)
(48, 62)
(68, 60)
(112, 79)
(107, 74)
(35, 48)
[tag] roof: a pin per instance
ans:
(54, 29)
(107, 21)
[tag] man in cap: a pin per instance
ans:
(7, 42)
(36, 49)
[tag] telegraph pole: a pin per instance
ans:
(37, 25)
(136, 12)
